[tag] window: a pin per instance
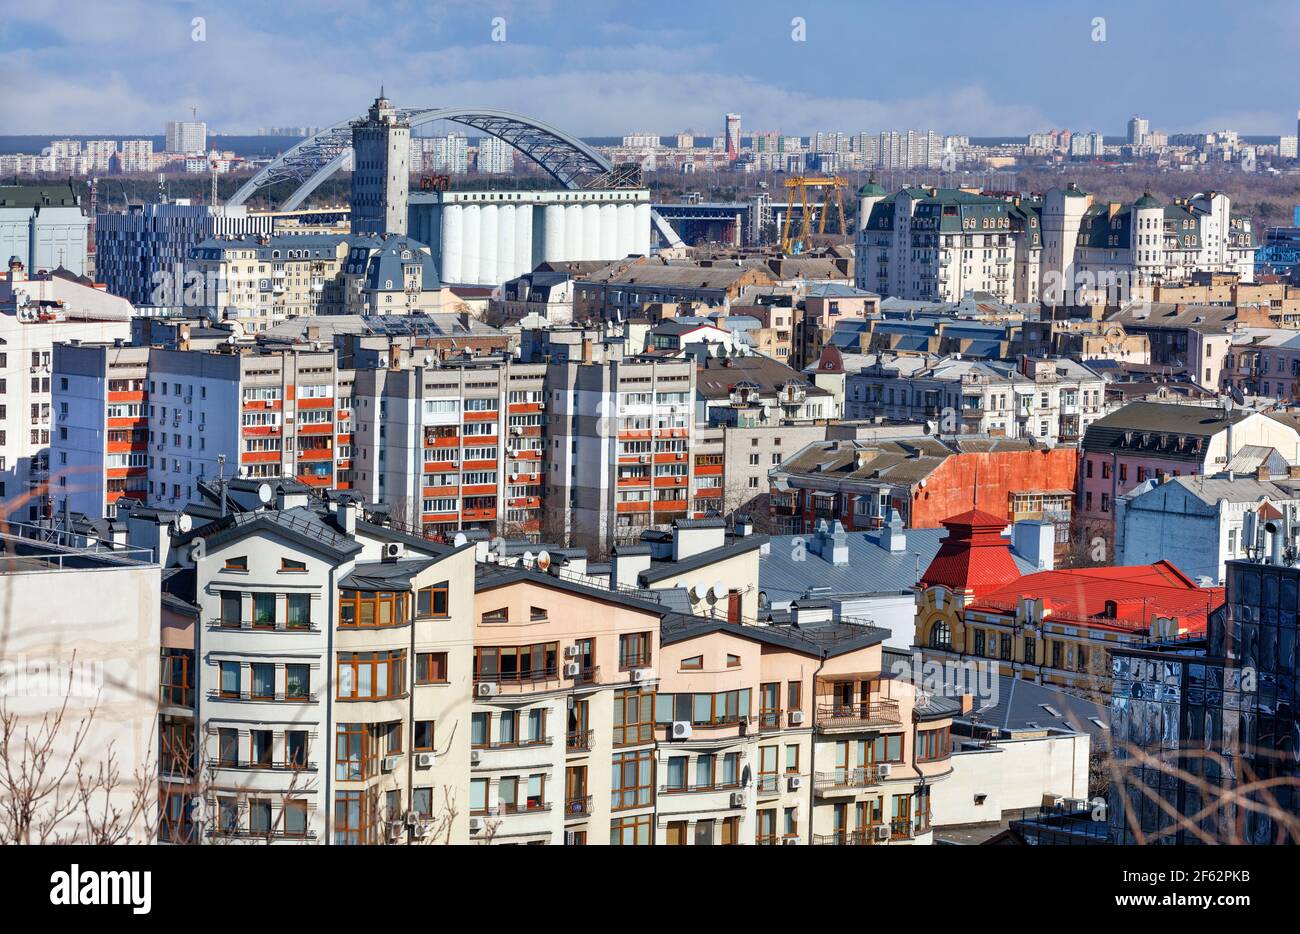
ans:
(263, 681)
(261, 743)
(932, 744)
(371, 675)
(733, 661)
(289, 565)
(423, 737)
(263, 611)
(363, 609)
(297, 611)
(694, 663)
(632, 784)
(295, 817)
(354, 817)
(295, 749)
(297, 682)
(431, 668)
(630, 831)
(422, 802)
(237, 564)
(230, 679)
(227, 746)
(633, 650)
(941, 636)
(516, 664)
(633, 717)
(431, 602)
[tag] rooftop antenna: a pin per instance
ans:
(221, 481)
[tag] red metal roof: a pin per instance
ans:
(974, 557)
(1125, 597)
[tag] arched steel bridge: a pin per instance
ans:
(567, 159)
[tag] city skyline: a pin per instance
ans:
(666, 69)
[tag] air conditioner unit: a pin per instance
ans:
(795, 782)
(643, 674)
(737, 799)
(681, 729)
(790, 841)
(474, 756)
(880, 832)
(796, 718)
(425, 760)
(571, 670)
(392, 550)
(883, 770)
(570, 651)
(475, 824)
(644, 459)
(420, 830)
(487, 689)
(541, 406)
(390, 763)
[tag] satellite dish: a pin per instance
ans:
(264, 493)
(697, 590)
(717, 592)
(459, 540)
(184, 523)
(544, 560)
(428, 360)
(528, 559)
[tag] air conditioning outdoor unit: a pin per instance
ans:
(571, 670)
(883, 770)
(681, 729)
(392, 550)
(790, 841)
(570, 651)
(424, 760)
(487, 689)
(474, 756)
(796, 718)
(390, 763)
(796, 782)
(737, 799)
(420, 830)
(643, 674)
(880, 832)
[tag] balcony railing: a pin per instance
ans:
(279, 697)
(770, 719)
(520, 743)
(846, 779)
(549, 673)
(699, 788)
(509, 810)
(881, 711)
(768, 784)
(217, 762)
(863, 837)
(577, 808)
(247, 625)
(900, 828)
(579, 740)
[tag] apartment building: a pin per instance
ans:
(754, 391)
(36, 313)
(1055, 627)
(44, 227)
(622, 290)
(924, 479)
(201, 415)
(329, 667)
(1153, 439)
(78, 664)
(1051, 400)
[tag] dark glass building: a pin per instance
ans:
(1193, 721)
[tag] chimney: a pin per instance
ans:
(394, 357)
(893, 538)
(629, 561)
(807, 610)
(695, 536)
(586, 350)
(1035, 541)
(839, 541)
(347, 516)
(744, 525)
(16, 273)
(967, 704)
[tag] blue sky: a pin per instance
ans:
(605, 68)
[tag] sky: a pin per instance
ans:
(609, 68)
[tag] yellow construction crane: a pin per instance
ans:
(829, 187)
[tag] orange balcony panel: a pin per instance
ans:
(479, 515)
(480, 489)
(126, 422)
(635, 435)
(316, 454)
(708, 470)
(669, 482)
(440, 467)
(126, 396)
(345, 439)
(261, 431)
(670, 458)
(325, 429)
(312, 479)
(315, 403)
(633, 507)
(439, 491)
(440, 516)
(481, 416)
(530, 431)
(525, 408)
(633, 481)
(260, 457)
(343, 485)
(479, 465)
(452, 442)
(527, 455)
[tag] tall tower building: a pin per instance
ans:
(381, 173)
(732, 136)
(1139, 128)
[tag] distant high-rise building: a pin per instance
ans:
(495, 156)
(381, 174)
(686, 140)
(732, 136)
(187, 136)
(1138, 130)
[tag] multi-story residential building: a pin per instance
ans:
(1200, 523)
(1081, 340)
(731, 464)
(925, 480)
(495, 156)
(1152, 439)
(36, 314)
(1051, 400)
(824, 306)
(1219, 768)
(393, 275)
(935, 244)
(257, 413)
(44, 227)
(623, 290)
(1053, 627)
(79, 670)
(186, 136)
(381, 173)
(141, 254)
(753, 391)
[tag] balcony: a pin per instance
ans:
(866, 715)
(247, 625)
(577, 808)
(846, 780)
(864, 837)
(217, 762)
(579, 740)
(277, 698)
(770, 719)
